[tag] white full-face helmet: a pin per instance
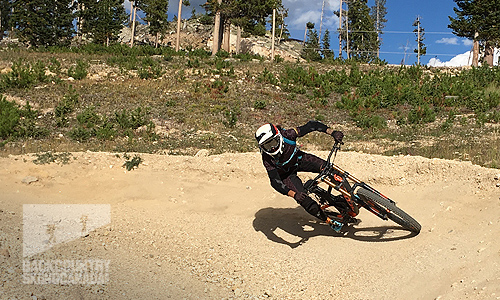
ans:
(270, 139)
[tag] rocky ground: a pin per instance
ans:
(211, 227)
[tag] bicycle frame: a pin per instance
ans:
(336, 178)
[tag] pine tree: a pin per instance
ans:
(156, 14)
(311, 48)
(43, 22)
(363, 43)
(419, 32)
(477, 20)
(325, 46)
(102, 20)
(5, 14)
(378, 12)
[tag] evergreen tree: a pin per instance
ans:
(157, 15)
(5, 14)
(325, 45)
(43, 22)
(102, 20)
(311, 48)
(419, 32)
(478, 20)
(378, 12)
(251, 15)
(363, 43)
(477, 16)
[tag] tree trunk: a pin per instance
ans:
(81, 7)
(488, 54)
(217, 32)
(133, 26)
(178, 42)
(131, 12)
(475, 51)
(227, 36)
(238, 40)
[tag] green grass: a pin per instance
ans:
(178, 104)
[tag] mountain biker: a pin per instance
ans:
(283, 159)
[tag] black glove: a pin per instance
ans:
(300, 196)
(338, 136)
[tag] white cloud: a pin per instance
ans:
(467, 42)
(457, 61)
(448, 41)
(460, 60)
(297, 17)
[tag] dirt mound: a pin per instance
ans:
(210, 226)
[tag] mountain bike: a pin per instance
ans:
(354, 194)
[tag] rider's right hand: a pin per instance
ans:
(300, 196)
(338, 136)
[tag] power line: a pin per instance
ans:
(401, 32)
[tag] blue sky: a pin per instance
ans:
(442, 46)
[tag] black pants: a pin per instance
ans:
(308, 163)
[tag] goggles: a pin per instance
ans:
(271, 145)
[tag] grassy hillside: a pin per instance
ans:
(160, 101)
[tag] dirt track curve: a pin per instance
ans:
(211, 227)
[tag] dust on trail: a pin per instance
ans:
(212, 227)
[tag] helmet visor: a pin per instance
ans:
(271, 145)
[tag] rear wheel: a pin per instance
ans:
(394, 213)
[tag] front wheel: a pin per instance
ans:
(394, 213)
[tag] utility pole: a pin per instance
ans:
(347, 30)
(340, 30)
(418, 40)
(272, 44)
(378, 29)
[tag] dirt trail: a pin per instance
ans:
(211, 227)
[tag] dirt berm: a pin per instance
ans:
(211, 227)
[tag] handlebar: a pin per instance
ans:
(326, 169)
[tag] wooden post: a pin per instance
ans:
(178, 42)
(272, 38)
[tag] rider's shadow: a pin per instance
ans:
(289, 226)
(294, 226)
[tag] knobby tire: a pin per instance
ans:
(395, 213)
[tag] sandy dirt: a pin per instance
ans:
(211, 227)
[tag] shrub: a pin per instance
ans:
(260, 104)
(9, 117)
(79, 71)
(65, 107)
(18, 122)
(421, 115)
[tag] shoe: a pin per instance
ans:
(336, 225)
